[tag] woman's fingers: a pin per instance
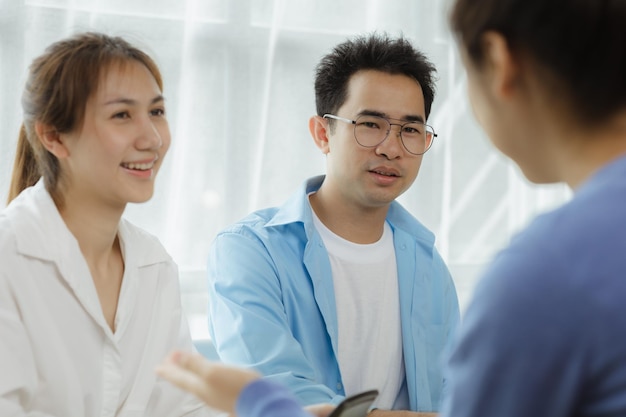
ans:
(320, 410)
(216, 384)
(180, 375)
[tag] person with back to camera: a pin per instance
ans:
(545, 332)
(89, 303)
(341, 290)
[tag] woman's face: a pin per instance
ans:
(483, 104)
(116, 153)
(506, 105)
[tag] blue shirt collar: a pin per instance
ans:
(298, 209)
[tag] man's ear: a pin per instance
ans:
(318, 126)
(50, 138)
(501, 63)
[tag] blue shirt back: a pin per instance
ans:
(545, 333)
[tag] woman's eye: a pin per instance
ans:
(121, 115)
(157, 112)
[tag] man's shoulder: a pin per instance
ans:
(267, 227)
(295, 210)
(255, 220)
(401, 219)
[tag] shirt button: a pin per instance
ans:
(339, 386)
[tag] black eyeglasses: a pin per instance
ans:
(370, 131)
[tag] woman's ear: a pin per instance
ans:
(50, 138)
(500, 62)
(318, 126)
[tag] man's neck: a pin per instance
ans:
(356, 225)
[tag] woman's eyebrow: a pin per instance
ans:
(131, 102)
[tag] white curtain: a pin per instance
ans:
(239, 88)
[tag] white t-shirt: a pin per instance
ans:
(365, 280)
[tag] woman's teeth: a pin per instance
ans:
(138, 167)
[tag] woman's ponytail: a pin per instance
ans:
(26, 170)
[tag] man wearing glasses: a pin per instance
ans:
(340, 289)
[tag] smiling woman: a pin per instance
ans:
(89, 303)
(118, 151)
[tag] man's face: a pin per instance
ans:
(366, 178)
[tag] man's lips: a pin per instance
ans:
(388, 172)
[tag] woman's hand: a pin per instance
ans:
(216, 384)
(320, 410)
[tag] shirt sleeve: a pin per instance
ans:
(263, 398)
(174, 334)
(244, 289)
(18, 376)
(450, 312)
(448, 296)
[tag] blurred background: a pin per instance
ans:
(239, 88)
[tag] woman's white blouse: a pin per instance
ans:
(58, 356)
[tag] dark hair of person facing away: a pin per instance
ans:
(373, 52)
(58, 86)
(579, 46)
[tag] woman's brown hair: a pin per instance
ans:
(58, 86)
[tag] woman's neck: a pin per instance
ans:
(582, 157)
(95, 227)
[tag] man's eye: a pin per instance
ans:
(411, 130)
(371, 125)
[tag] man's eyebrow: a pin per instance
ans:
(413, 118)
(131, 102)
(405, 118)
(367, 112)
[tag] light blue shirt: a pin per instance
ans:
(272, 304)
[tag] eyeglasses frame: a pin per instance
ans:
(353, 122)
